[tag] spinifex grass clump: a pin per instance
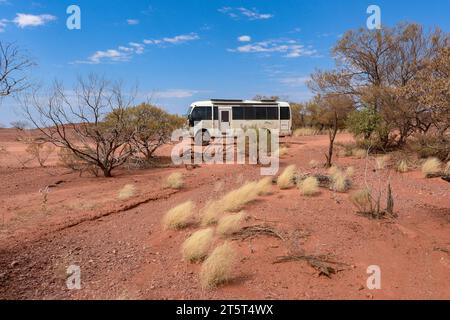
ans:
(286, 179)
(175, 181)
(196, 247)
(230, 224)
(218, 267)
(431, 167)
(309, 186)
(179, 217)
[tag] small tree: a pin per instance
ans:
(363, 122)
(40, 151)
(20, 125)
(332, 114)
(77, 123)
(151, 127)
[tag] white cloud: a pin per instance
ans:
(138, 48)
(290, 48)
(250, 14)
(3, 23)
(133, 22)
(244, 39)
(173, 40)
(113, 55)
(295, 81)
(23, 20)
(175, 93)
(182, 38)
(125, 53)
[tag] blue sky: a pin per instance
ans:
(182, 51)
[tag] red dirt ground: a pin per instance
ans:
(124, 254)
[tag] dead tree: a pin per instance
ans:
(76, 121)
(13, 66)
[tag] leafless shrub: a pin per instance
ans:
(78, 123)
(40, 151)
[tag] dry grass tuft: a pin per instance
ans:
(381, 162)
(314, 164)
(236, 199)
(339, 181)
(281, 152)
(359, 153)
(431, 166)
(230, 224)
(286, 179)
(402, 166)
(350, 171)
(362, 200)
(175, 181)
(179, 217)
(127, 192)
(264, 186)
(210, 213)
(218, 267)
(332, 170)
(196, 247)
(447, 169)
(303, 132)
(309, 186)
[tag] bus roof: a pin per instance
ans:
(230, 102)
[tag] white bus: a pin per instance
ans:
(209, 118)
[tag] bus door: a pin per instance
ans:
(224, 119)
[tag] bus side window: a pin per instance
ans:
(272, 113)
(216, 113)
(285, 113)
(202, 113)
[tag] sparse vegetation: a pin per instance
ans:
(236, 199)
(431, 167)
(126, 192)
(447, 169)
(359, 153)
(39, 151)
(283, 151)
(264, 186)
(349, 172)
(175, 180)
(196, 247)
(231, 224)
(93, 140)
(402, 166)
(218, 267)
(304, 132)
(314, 164)
(381, 162)
(179, 217)
(286, 179)
(309, 186)
(210, 213)
(340, 182)
(370, 206)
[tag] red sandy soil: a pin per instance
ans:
(124, 253)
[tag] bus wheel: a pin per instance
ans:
(202, 138)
